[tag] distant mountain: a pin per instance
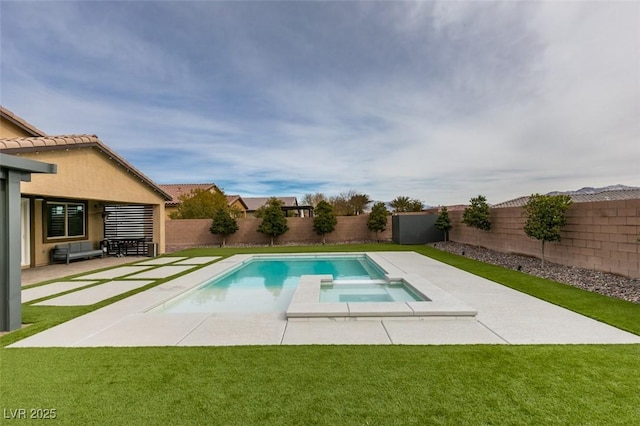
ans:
(591, 190)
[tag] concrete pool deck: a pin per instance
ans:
(504, 316)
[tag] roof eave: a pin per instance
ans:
(91, 141)
(20, 122)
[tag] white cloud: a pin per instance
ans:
(440, 101)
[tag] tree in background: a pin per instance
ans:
(443, 222)
(224, 224)
(377, 221)
(340, 206)
(199, 204)
(313, 199)
(477, 215)
(545, 216)
(324, 220)
(359, 203)
(350, 203)
(416, 205)
(406, 204)
(274, 221)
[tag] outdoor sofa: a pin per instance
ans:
(73, 251)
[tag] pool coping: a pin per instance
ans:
(305, 302)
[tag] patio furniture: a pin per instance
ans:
(72, 251)
(120, 247)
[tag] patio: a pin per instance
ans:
(60, 270)
(505, 316)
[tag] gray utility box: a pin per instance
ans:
(415, 229)
(152, 249)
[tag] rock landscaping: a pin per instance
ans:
(596, 281)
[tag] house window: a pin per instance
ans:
(65, 220)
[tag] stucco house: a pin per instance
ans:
(177, 190)
(96, 193)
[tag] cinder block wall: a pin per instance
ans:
(600, 235)
(187, 233)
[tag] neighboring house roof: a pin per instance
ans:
(49, 143)
(178, 189)
(606, 195)
(8, 115)
(516, 202)
(231, 199)
(254, 203)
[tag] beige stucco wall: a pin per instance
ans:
(87, 174)
(41, 249)
(159, 227)
(10, 130)
(168, 210)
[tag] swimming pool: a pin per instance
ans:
(267, 284)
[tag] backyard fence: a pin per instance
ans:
(186, 233)
(599, 235)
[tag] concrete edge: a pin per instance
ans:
(305, 302)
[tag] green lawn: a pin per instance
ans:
(360, 385)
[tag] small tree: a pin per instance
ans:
(223, 224)
(274, 221)
(477, 215)
(377, 221)
(545, 216)
(324, 221)
(199, 204)
(443, 222)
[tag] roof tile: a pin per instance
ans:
(175, 190)
(254, 203)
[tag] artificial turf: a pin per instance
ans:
(306, 385)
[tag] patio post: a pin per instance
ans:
(13, 170)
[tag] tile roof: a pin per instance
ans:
(8, 115)
(49, 143)
(175, 190)
(516, 202)
(254, 203)
(611, 195)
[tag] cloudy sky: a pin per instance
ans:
(439, 101)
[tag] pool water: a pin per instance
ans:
(267, 285)
(381, 292)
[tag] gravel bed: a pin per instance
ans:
(598, 282)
